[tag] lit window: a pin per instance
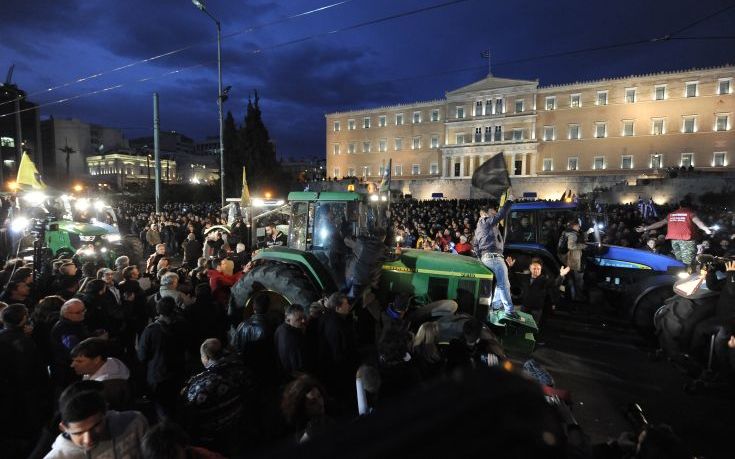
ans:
(336, 172)
(519, 106)
(657, 161)
(381, 170)
(719, 159)
(572, 163)
(488, 134)
(723, 86)
(601, 97)
(574, 132)
(434, 141)
(478, 108)
(7, 142)
(630, 95)
(351, 172)
(434, 169)
(548, 133)
(336, 126)
(435, 115)
(628, 128)
(365, 171)
(626, 162)
(600, 130)
(381, 121)
(691, 89)
(398, 170)
(398, 144)
(351, 125)
(415, 169)
(550, 103)
(498, 136)
(722, 123)
(657, 126)
(575, 100)
(383, 145)
(478, 134)
(598, 163)
(366, 123)
(689, 126)
(460, 113)
(416, 144)
(687, 159)
(660, 92)
(399, 119)
(366, 147)
(351, 148)
(517, 134)
(336, 148)
(548, 165)
(499, 108)
(416, 117)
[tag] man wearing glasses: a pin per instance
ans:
(67, 333)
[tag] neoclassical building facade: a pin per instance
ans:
(621, 128)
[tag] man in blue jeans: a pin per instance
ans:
(488, 245)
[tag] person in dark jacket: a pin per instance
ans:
(363, 268)
(97, 317)
(337, 347)
(161, 349)
(398, 372)
(290, 339)
(538, 290)
(724, 310)
(255, 332)
(25, 396)
(45, 315)
(69, 331)
(192, 251)
(17, 292)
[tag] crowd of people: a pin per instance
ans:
(150, 360)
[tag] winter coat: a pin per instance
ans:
(64, 336)
(114, 376)
(161, 348)
(488, 238)
(192, 251)
(153, 237)
(221, 283)
(573, 258)
(126, 430)
(291, 349)
(365, 263)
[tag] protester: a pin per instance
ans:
(290, 339)
(91, 359)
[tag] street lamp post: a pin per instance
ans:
(199, 4)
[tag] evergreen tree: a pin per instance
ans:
(233, 157)
(259, 152)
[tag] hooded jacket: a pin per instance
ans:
(114, 375)
(126, 430)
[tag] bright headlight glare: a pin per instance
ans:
(19, 224)
(374, 197)
(103, 250)
(113, 237)
(99, 205)
(257, 202)
(324, 233)
(34, 198)
(88, 252)
(682, 275)
(82, 204)
(384, 198)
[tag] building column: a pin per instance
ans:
(523, 164)
(533, 164)
(461, 166)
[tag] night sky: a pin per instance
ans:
(302, 72)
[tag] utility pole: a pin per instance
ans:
(157, 152)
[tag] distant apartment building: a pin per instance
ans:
(168, 141)
(305, 169)
(208, 146)
(624, 128)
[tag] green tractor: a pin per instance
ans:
(65, 224)
(306, 270)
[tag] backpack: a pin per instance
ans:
(562, 247)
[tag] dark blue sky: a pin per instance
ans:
(411, 58)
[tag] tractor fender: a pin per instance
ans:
(647, 285)
(534, 250)
(317, 273)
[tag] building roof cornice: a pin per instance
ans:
(388, 107)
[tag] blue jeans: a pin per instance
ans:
(501, 298)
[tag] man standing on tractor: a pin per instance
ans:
(488, 245)
(680, 231)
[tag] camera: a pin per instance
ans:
(712, 262)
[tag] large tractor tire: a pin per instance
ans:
(132, 247)
(645, 310)
(285, 284)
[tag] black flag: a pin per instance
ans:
(492, 176)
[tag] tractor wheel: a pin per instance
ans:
(285, 284)
(646, 309)
(132, 247)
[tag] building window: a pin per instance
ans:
(366, 123)
(351, 148)
(575, 100)
(657, 161)
(416, 117)
(366, 147)
(572, 163)
(489, 107)
(381, 120)
(601, 97)
(365, 171)
(336, 172)
(719, 159)
(416, 144)
(416, 169)
(488, 134)
(630, 95)
(574, 132)
(460, 139)
(723, 86)
(722, 123)
(687, 160)
(351, 172)
(336, 126)
(434, 169)
(548, 133)
(383, 145)
(657, 126)
(519, 105)
(434, 115)
(598, 163)
(691, 89)
(626, 162)
(399, 119)
(499, 109)
(434, 141)
(397, 170)
(7, 142)
(517, 135)
(335, 148)
(478, 108)
(689, 125)
(548, 165)
(550, 103)
(460, 113)
(351, 125)
(398, 144)
(498, 134)
(600, 130)
(659, 92)
(628, 128)
(457, 169)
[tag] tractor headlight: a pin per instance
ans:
(35, 198)
(88, 251)
(113, 238)
(682, 275)
(103, 250)
(19, 224)
(374, 197)
(257, 202)
(384, 198)
(82, 204)
(99, 205)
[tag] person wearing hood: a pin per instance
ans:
(91, 360)
(221, 281)
(89, 430)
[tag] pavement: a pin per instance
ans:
(594, 353)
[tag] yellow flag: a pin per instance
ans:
(245, 198)
(28, 174)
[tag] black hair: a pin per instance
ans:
(89, 269)
(166, 306)
(261, 303)
(127, 272)
(293, 309)
(21, 274)
(393, 346)
(77, 406)
(91, 348)
(94, 286)
(164, 441)
(12, 286)
(13, 315)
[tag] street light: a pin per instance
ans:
(220, 96)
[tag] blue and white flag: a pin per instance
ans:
(598, 207)
(649, 210)
(641, 205)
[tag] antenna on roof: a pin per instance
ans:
(486, 55)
